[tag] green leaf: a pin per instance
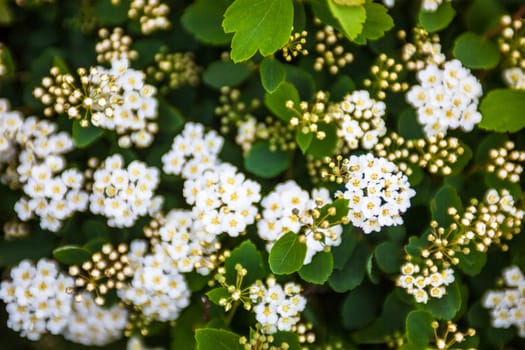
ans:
(6, 16)
(473, 262)
(502, 110)
(377, 22)
(220, 73)
(33, 247)
(216, 294)
(272, 73)
(217, 339)
(250, 258)
(170, 119)
(71, 254)
(259, 25)
(303, 140)
(109, 14)
(265, 163)
(448, 306)
(445, 198)
(475, 51)
(351, 18)
(436, 20)
(388, 256)
(325, 147)
(342, 252)
(353, 272)
(419, 327)
(482, 15)
(276, 101)
(287, 254)
(319, 269)
(85, 136)
(203, 19)
(342, 86)
(394, 313)
(289, 338)
(182, 332)
(361, 307)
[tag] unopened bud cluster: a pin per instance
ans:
(295, 46)
(504, 162)
(107, 270)
(15, 229)
(309, 116)
(173, 70)
(450, 335)
(114, 46)
(260, 341)
(385, 77)
(152, 15)
(330, 51)
(424, 49)
(232, 110)
(512, 41)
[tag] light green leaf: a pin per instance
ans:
(203, 19)
(437, 20)
(476, 52)
(303, 140)
(351, 18)
(325, 147)
(6, 16)
(216, 294)
(276, 101)
(272, 73)
(220, 73)
(319, 269)
(419, 327)
(259, 25)
(502, 110)
(84, 136)
(287, 254)
(217, 339)
(264, 162)
(71, 254)
(377, 23)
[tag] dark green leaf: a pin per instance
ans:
(287, 254)
(353, 272)
(502, 110)
(71, 255)
(289, 338)
(272, 73)
(325, 147)
(433, 21)
(262, 162)
(448, 306)
(446, 197)
(319, 269)
(250, 258)
(182, 332)
(342, 252)
(84, 136)
(203, 19)
(419, 327)
(220, 73)
(473, 262)
(475, 51)
(109, 14)
(394, 313)
(360, 307)
(276, 101)
(217, 339)
(388, 256)
(262, 25)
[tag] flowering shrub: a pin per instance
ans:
(270, 174)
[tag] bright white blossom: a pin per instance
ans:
(424, 285)
(514, 78)
(506, 306)
(283, 210)
(192, 152)
(90, 324)
(124, 194)
(37, 298)
(446, 99)
(378, 193)
(246, 133)
(277, 308)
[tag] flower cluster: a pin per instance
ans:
(115, 99)
(289, 208)
(157, 289)
(277, 308)
(174, 70)
(385, 76)
(504, 162)
(295, 46)
(152, 15)
(378, 194)
(424, 49)
(330, 51)
(123, 194)
(223, 199)
(360, 119)
(506, 306)
(446, 99)
(90, 324)
(310, 116)
(114, 46)
(192, 152)
(425, 283)
(37, 298)
(450, 335)
(514, 78)
(511, 43)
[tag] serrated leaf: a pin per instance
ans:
(475, 51)
(287, 254)
(319, 269)
(203, 19)
(419, 327)
(84, 136)
(276, 101)
(71, 255)
(264, 162)
(502, 110)
(351, 18)
(433, 21)
(377, 23)
(220, 73)
(388, 256)
(250, 258)
(303, 140)
(360, 307)
(272, 74)
(217, 339)
(259, 25)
